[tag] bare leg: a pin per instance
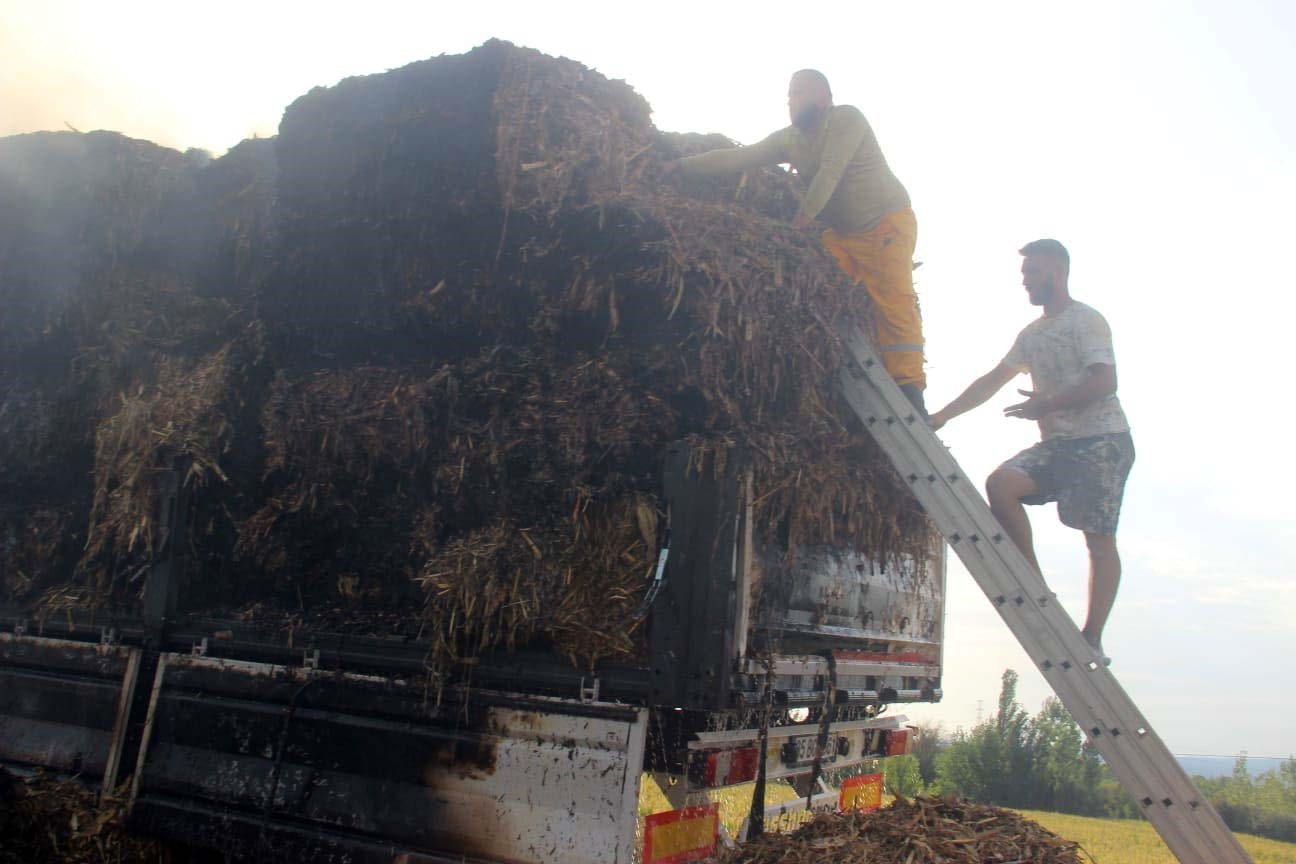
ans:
(1104, 579)
(1005, 489)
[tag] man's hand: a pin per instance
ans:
(937, 420)
(801, 221)
(1035, 406)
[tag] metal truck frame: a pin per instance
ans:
(337, 747)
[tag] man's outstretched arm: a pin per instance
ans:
(1099, 382)
(977, 392)
(734, 160)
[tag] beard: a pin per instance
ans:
(809, 118)
(1041, 294)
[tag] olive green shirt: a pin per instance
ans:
(851, 186)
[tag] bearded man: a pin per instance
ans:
(850, 188)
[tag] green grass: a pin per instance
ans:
(1128, 841)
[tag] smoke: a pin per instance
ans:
(88, 69)
(76, 207)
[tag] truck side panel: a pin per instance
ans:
(331, 758)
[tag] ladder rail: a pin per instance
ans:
(1137, 756)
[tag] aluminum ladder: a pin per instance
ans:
(1142, 763)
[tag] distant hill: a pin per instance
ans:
(1222, 766)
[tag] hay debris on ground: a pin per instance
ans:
(44, 820)
(918, 831)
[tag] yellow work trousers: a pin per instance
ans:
(881, 259)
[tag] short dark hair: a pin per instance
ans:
(816, 76)
(1048, 248)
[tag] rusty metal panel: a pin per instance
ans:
(233, 747)
(843, 595)
(563, 789)
(59, 701)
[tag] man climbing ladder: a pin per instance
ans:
(1137, 756)
(1086, 452)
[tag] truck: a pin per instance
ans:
(477, 262)
(332, 747)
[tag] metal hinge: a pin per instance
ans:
(590, 693)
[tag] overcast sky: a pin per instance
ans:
(1156, 139)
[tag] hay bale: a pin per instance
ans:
(73, 206)
(179, 411)
(578, 582)
(231, 220)
(35, 546)
(481, 313)
(102, 242)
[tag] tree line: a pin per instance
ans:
(1044, 762)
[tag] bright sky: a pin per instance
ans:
(1156, 139)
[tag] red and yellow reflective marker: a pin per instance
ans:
(677, 836)
(862, 793)
(899, 742)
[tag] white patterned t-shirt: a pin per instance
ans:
(1056, 350)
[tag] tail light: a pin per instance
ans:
(724, 767)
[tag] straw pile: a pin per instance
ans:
(94, 244)
(48, 821)
(426, 360)
(921, 831)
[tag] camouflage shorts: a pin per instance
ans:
(1086, 476)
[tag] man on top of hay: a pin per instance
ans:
(1086, 452)
(871, 227)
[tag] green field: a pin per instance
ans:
(1126, 841)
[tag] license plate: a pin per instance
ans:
(801, 749)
